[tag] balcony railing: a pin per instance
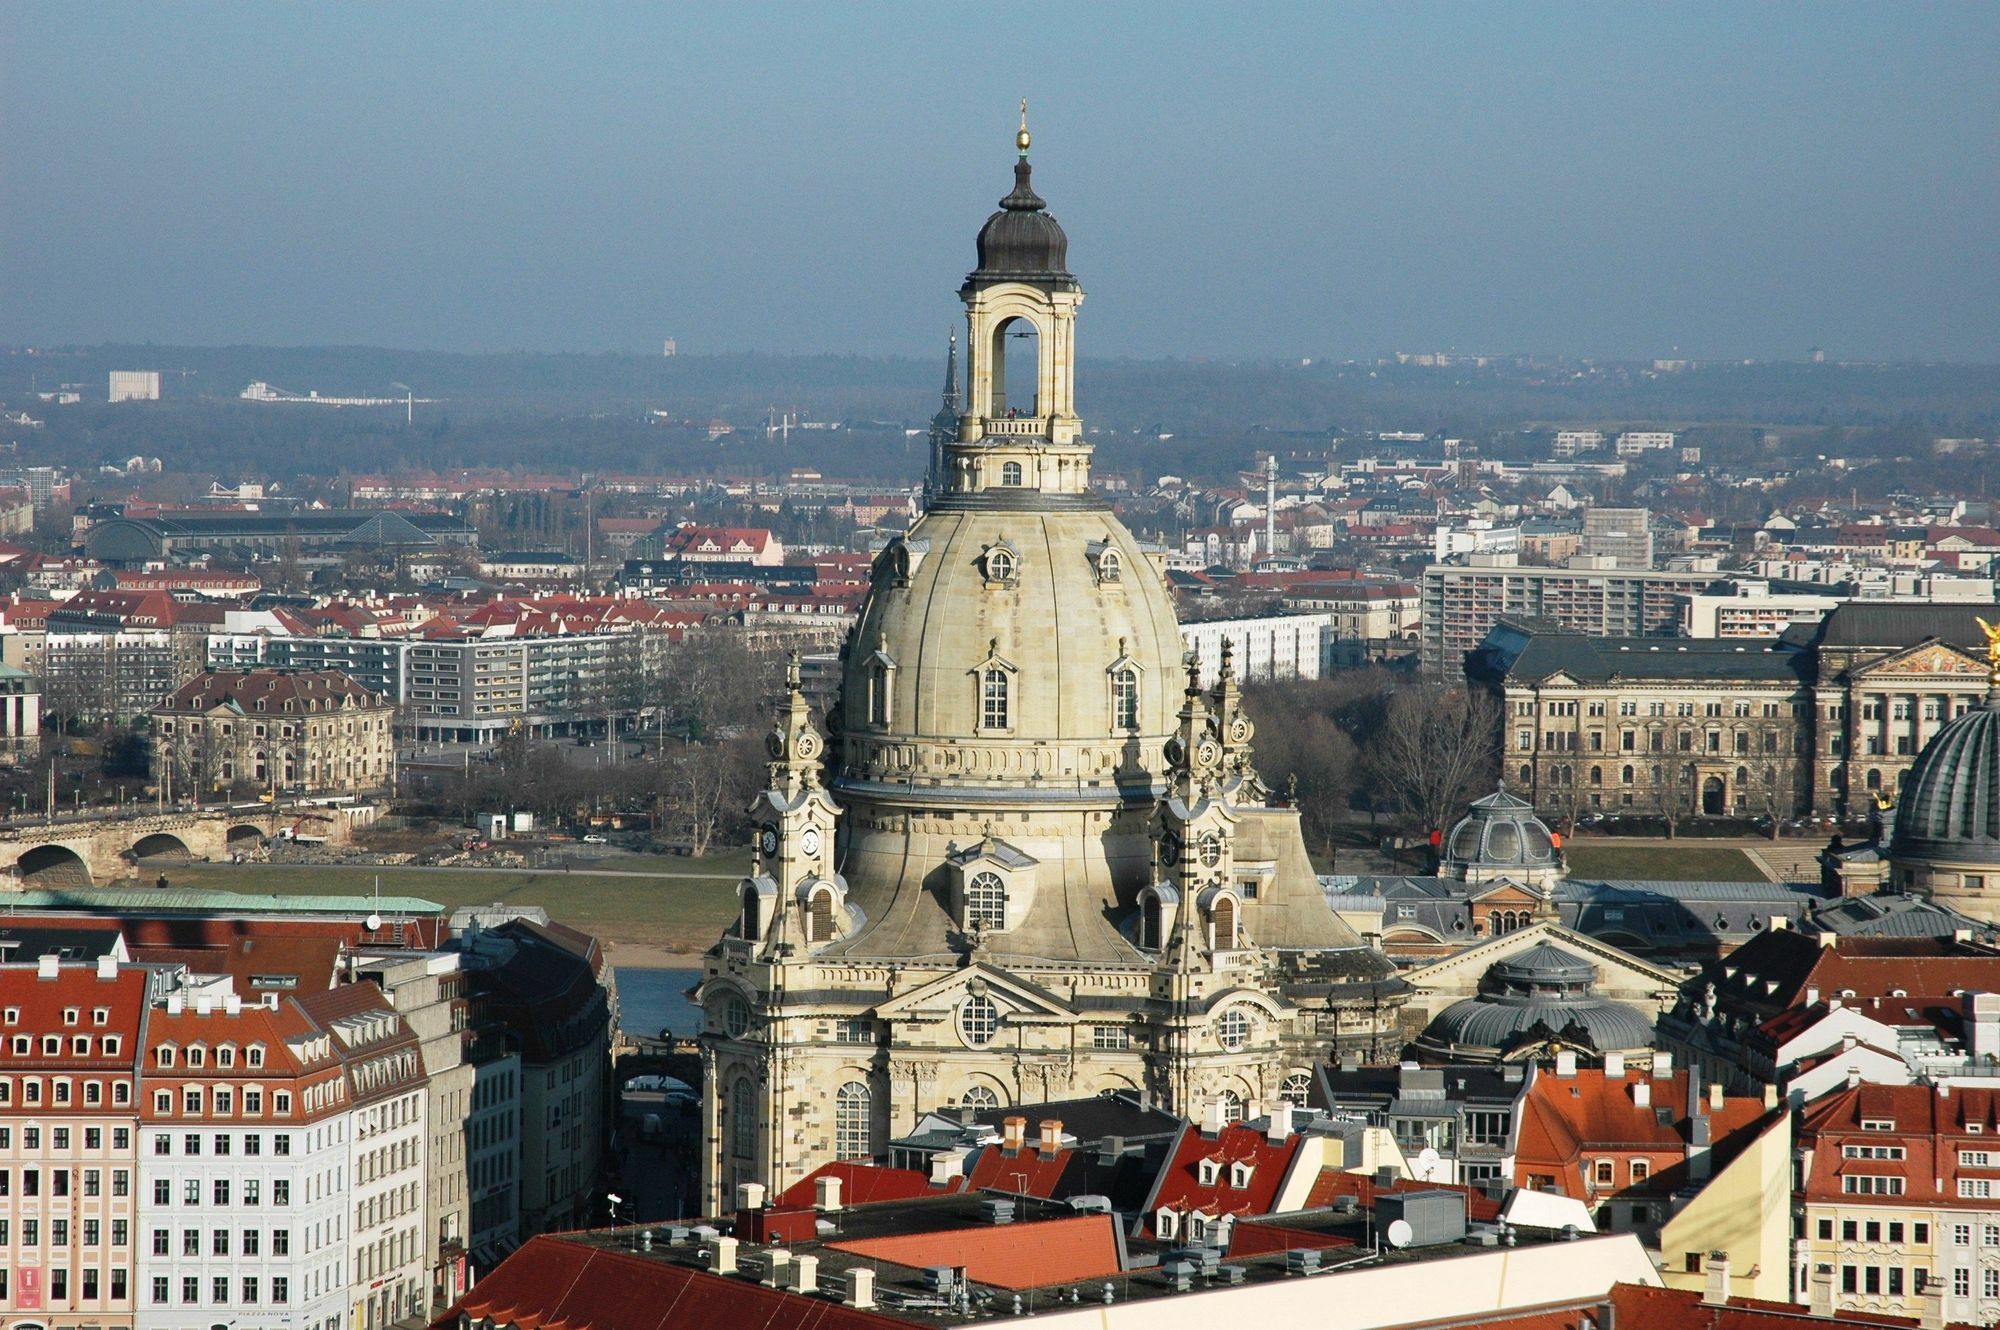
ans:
(1028, 427)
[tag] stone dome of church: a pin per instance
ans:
(1540, 996)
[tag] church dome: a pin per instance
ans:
(1022, 240)
(1949, 809)
(1537, 996)
(1498, 833)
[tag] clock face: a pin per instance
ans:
(1170, 849)
(768, 841)
(809, 842)
(1211, 850)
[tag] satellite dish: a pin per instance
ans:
(1427, 1163)
(374, 921)
(1400, 1233)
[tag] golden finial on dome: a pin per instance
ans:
(1021, 139)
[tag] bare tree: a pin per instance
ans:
(1437, 749)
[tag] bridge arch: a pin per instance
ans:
(243, 834)
(161, 845)
(54, 867)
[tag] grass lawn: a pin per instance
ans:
(678, 913)
(1659, 863)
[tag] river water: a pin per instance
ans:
(654, 1000)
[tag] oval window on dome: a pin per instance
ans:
(1465, 842)
(1537, 837)
(1503, 842)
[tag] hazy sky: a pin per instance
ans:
(1607, 179)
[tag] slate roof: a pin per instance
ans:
(1603, 659)
(1867, 623)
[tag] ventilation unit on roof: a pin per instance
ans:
(997, 1210)
(1302, 1261)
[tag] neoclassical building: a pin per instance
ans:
(1030, 856)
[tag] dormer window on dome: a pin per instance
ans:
(1001, 563)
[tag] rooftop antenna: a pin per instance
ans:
(374, 920)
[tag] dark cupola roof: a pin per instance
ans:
(1949, 810)
(1022, 241)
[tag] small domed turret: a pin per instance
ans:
(1021, 240)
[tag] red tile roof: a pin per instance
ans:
(554, 1285)
(1010, 1256)
(1566, 1118)
(1930, 1127)
(1180, 1187)
(1023, 1173)
(1643, 1307)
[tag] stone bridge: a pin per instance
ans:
(83, 851)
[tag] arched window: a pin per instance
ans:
(743, 1119)
(1152, 922)
(819, 917)
(1295, 1088)
(1225, 923)
(978, 1098)
(979, 1021)
(879, 680)
(1232, 1106)
(735, 1016)
(986, 902)
(1874, 779)
(1527, 776)
(1232, 1031)
(1109, 567)
(1493, 923)
(1000, 564)
(993, 709)
(1125, 698)
(853, 1122)
(1010, 473)
(1597, 775)
(748, 929)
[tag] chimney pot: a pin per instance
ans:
(722, 1259)
(1013, 1132)
(1716, 1292)
(805, 1277)
(826, 1194)
(46, 965)
(750, 1196)
(1280, 1127)
(860, 1291)
(1566, 1063)
(1614, 1066)
(107, 967)
(1642, 1094)
(1715, 1096)
(1051, 1136)
(1663, 1065)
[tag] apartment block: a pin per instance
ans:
(1462, 602)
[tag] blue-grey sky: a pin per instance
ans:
(1237, 180)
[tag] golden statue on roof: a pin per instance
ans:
(1992, 632)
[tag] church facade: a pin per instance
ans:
(1028, 857)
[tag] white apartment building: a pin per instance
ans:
(1276, 646)
(243, 1164)
(1570, 442)
(1634, 442)
(387, 1146)
(1750, 609)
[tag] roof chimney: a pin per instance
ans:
(1770, 1096)
(1812, 996)
(1614, 1066)
(1716, 1293)
(1566, 1062)
(46, 965)
(107, 966)
(1280, 1126)
(805, 1277)
(1211, 1117)
(1822, 1291)
(826, 1193)
(722, 1256)
(1930, 1306)
(1715, 1096)
(1642, 1093)
(749, 1196)
(1051, 1136)
(1013, 1134)
(1828, 940)
(1663, 1064)
(860, 1288)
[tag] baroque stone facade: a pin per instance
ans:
(1034, 861)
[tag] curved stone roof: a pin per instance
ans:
(1500, 831)
(1533, 995)
(1950, 807)
(1022, 240)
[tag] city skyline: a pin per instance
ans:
(1707, 183)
